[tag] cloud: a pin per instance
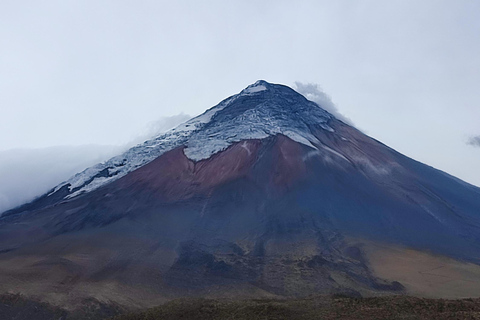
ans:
(474, 141)
(28, 173)
(159, 126)
(313, 92)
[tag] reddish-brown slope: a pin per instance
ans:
(288, 164)
(173, 176)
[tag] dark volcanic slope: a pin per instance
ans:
(266, 216)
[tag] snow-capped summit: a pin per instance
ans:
(260, 85)
(260, 110)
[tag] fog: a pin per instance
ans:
(313, 92)
(28, 173)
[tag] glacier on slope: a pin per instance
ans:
(260, 110)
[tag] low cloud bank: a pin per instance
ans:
(159, 126)
(474, 141)
(28, 173)
(313, 92)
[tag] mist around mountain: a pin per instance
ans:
(26, 174)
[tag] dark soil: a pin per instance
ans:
(18, 307)
(320, 307)
(14, 306)
(393, 307)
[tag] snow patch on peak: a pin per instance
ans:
(255, 89)
(258, 86)
(293, 119)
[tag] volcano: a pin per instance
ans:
(264, 195)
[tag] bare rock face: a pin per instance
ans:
(264, 195)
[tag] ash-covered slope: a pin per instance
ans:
(264, 194)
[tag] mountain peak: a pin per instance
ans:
(265, 193)
(260, 110)
(260, 85)
(262, 96)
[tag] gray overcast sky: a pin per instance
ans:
(97, 72)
